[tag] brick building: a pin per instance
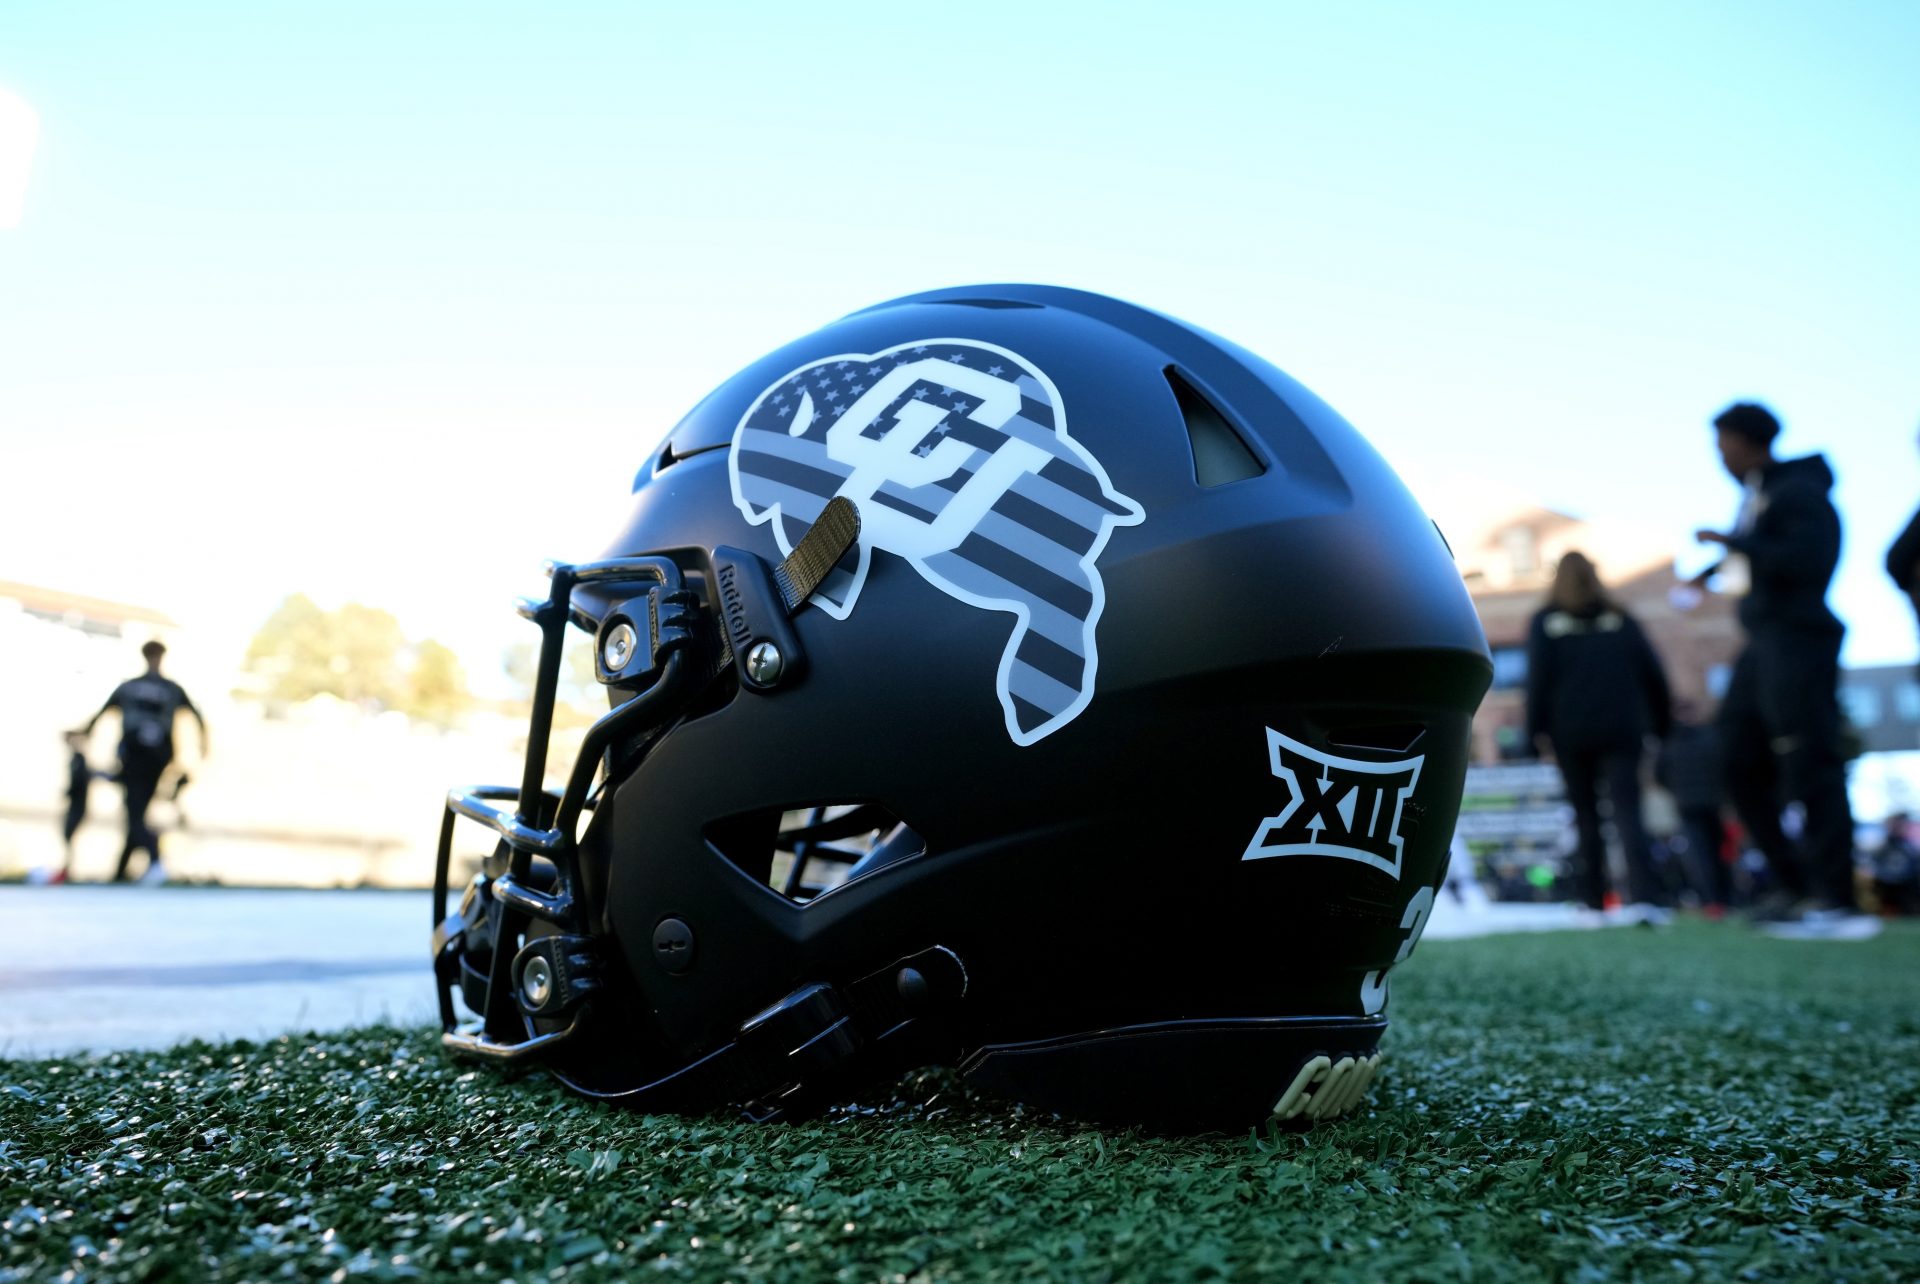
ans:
(1508, 561)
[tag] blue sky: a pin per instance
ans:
(386, 301)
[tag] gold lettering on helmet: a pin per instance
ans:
(1325, 1088)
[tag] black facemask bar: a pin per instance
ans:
(541, 825)
(792, 1051)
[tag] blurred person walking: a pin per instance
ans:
(1595, 692)
(1780, 719)
(79, 780)
(148, 706)
(1689, 768)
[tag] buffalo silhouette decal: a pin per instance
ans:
(958, 456)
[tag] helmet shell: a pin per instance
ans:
(1108, 872)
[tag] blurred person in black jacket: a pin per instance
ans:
(1689, 768)
(1903, 562)
(1896, 867)
(1780, 720)
(147, 705)
(79, 779)
(1595, 692)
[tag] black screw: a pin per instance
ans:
(910, 985)
(673, 945)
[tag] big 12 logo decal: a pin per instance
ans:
(1343, 807)
(1350, 809)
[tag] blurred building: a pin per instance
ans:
(65, 652)
(93, 616)
(1882, 703)
(1513, 817)
(1507, 558)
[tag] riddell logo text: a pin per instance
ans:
(735, 608)
(1340, 807)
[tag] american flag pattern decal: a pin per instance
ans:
(958, 456)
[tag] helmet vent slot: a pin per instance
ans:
(671, 454)
(1220, 453)
(805, 852)
(988, 303)
(1395, 738)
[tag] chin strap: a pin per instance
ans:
(756, 602)
(797, 1054)
(818, 552)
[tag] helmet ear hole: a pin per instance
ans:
(805, 852)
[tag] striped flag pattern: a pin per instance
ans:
(958, 456)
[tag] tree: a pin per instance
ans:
(293, 651)
(353, 654)
(521, 663)
(437, 685)
(578, 688)
(366, 655)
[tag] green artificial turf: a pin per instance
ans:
(1698, 1102)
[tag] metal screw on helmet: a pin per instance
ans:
(765, 663)
(618, 647)
(536, 981)
(673, 945)
(910, 985)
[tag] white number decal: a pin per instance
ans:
(1373, 990)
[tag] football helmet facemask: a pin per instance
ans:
(1008, 678)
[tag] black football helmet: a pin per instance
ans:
(1005, 677)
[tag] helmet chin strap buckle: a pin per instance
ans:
(797, 1050)
(807, 1036)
